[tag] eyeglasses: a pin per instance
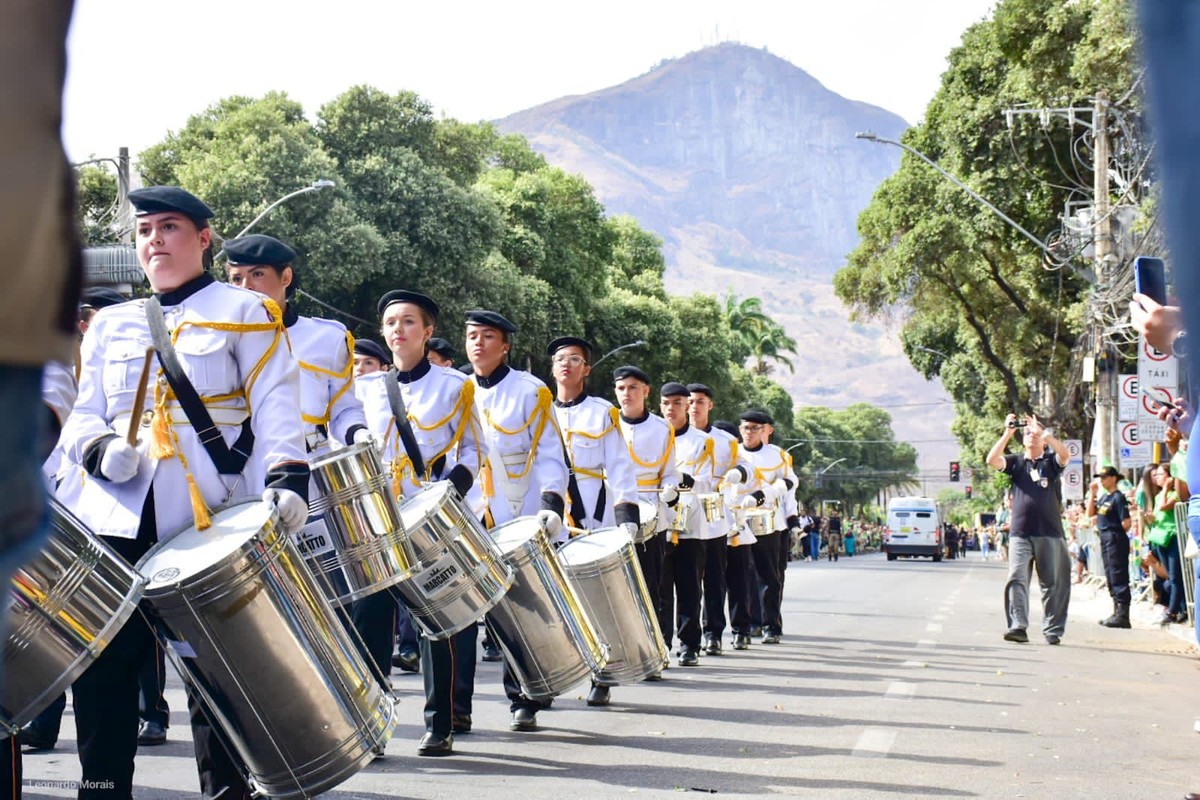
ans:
(574, 361)
(752, 428)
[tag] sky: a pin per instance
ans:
(138, 70)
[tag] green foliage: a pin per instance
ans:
(96, 204)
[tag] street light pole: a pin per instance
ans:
(315, 187)
(638, 343)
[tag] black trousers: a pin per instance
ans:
(715, 557)
(765, 553)
(48, 723)
(374, 619)
(683, 564)
(650, 557)
(448, 670)
(220, 775)
(152, 679)
(737, 572)
(754, 591)
(1114, 548)
(785, 555)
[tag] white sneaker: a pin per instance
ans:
(1196, 726)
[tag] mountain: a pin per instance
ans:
(748, 169)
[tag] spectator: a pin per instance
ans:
(1162, 542)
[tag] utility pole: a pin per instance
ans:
(124, 211)
(1106, 388)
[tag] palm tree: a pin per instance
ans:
(771, 343)
(762, 337)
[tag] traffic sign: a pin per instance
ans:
(1127, 398)
(1072, 481)
(1074, 450)
(1133, 451)
(1156, 368)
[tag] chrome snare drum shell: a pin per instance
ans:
(65, 606)
(712, 504)
(761, 521)
(648, 521)
(251, 631)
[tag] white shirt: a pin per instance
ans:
(599, 458)
(324, 351)
(651, 445)
(767, 464)
(694, 456)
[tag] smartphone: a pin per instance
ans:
(1150, 278)
(1159, 395)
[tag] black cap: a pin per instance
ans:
(569, 341)
(405, 296)
(160, 199)
(490, 319)
(467, 369)
(629, 371)
(728, 427)
(673, 389)
(757, 415)
(371, 348)
(100, 297)
(258, 249)
(699, 388)
(1108, 471)
(442, 347)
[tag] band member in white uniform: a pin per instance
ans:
(766, 474)
(369, 357)
(441, 422)
(716, 534)
(234, 351)
(683, 562)
(651, 444)
(603, 491)
(739, 567)
(441, 352)
(526, 471)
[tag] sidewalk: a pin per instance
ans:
(1090, 602)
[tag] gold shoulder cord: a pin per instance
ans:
(165, 439)
(569, 433)
(657, 466)
(402, 465)
(537, 420)
(346, 376)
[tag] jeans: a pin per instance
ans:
(1168, 554)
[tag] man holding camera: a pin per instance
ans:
(1036, 536)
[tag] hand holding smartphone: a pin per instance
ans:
(1150, 278)
(1159, 395)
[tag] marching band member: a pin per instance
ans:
(605, 489)
(440, 352)
(432, 434)
(683, 562)
(234, 353)
(767, 478)
(526, 472)
(740, 576)
(369, 357)
(651, 444)
(715, 534)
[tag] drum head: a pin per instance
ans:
(192, 551)
(511, 536)
(414, 509)
(647, 510)
(596, 546)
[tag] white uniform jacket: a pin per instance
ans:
(328, 405)
(725, 458)
(231, 344)
(526, 468)
(651, 444)
(59, 389)
(600, 461)
(694, 458)
(764, 466)
(439, 403)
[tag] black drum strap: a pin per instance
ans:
(407, 437)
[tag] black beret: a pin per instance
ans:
(160, 199)
(100, 297)
(728, 427)
(757, 415)
(373, 349)
(628, 371)
(699, 388)
(568, 341)
(258, 249)
(490, 319)
(405, 296)
(673, 389)
(442, 347)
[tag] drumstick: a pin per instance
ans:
(139, 400)
(577, 531)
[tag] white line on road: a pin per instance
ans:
(933, 627)
(926, 642)
(875, 743)
(911, 663)
(901, 690)
(939, 617)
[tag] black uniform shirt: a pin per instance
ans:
(1036, 509)
(1111, 510)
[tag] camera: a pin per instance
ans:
(1017, 423)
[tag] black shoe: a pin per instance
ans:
(491, 653)
(460, 723)
(524, 719)
(741, 642)
(1053, 638)
(151, 734)
(434, 745)
(655, 678)
(407, 660)
(545, 702)
(756, 631)
(598, 696)
(1016, 635)
(713, 648)
(690, 657)
(34, 739)
(771, 638)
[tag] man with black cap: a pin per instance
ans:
(440, 352)
(683, 562)
(767, 479)
(604, 489)
(526, 470)
(1109, 509)
(717, 535)
(234, 353)
(369, 357)
(651, 444)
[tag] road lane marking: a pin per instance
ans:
(939, 617)
(933, 627)
(875, 743)
(926, 642)
(901, 690)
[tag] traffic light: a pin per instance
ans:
(967, 492)
(954, 472)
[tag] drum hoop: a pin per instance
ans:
(326, 502)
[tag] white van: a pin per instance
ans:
(913, 528)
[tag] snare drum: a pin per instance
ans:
(761, 522)
(648, 521)
(358, 545)
(460, 572)
(712, 504)
(65, 606)
(250, 630)
(681, 514)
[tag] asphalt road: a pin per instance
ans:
(892, 681)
